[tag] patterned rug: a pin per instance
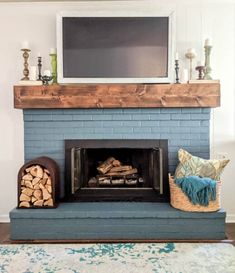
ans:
(118, 258)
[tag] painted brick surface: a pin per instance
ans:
(45, 130)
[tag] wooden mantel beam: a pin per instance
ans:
(117, 96)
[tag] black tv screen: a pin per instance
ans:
(115, 47)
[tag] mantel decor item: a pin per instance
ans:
(207, 70)
(46, 79)
(200, 69)
(191, 54)
(177, 67)
(26, 64)
(53, 56)
(39, 68)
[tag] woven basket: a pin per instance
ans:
(180, 201)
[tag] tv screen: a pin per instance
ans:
(115, 47)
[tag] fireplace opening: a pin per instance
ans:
(116, 170)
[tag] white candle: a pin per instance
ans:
(208, 42)
(39, 54)
(52, 50)
(25, 45)
(184, 76)
(33, 73)
(47, 73)
(192, 50)
(176, 56)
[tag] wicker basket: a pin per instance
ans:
(180, 201)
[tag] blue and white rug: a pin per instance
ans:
(118, 258)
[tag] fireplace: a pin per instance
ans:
(134, 170)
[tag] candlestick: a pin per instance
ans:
(26, 64)
(200, 69)
(177, 71)
(191, 54)
(54, 67)
(207, 69)
(39, 68)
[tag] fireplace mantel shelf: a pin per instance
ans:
(117, 96)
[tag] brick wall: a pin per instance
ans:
(45, 130)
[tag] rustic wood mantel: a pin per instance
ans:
(117, 96)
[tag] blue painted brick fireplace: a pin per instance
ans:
(46, 130)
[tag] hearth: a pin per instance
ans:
(116, 170)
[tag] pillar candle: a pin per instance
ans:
(33, 73)
(184, 76)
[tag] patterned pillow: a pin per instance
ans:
(193, 165)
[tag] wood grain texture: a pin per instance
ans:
(117, 96)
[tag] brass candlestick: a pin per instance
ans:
(26, 64)
(207, 70)
(190, 55)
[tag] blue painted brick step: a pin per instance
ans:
(115, 221)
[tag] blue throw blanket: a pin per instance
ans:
(200, 190)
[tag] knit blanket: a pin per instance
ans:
(200, 190)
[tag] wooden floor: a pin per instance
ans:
(5, 233)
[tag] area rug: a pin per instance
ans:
(118, 258)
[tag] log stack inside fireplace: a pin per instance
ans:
(113, 173)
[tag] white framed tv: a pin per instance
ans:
(107, 45)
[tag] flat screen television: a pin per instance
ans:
(114, 49)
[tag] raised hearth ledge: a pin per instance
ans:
(117, 96)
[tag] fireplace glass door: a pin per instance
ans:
(109, 170)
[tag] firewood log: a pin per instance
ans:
(49, 181)
(38, 203)
(105, 166)
(120, 169)
(24, 197)
(28, 184)
(49, 202)
(49, 188)
(36, 187)
(27, 191)
(28, 176)
(37, 194)
(36, 180)
(24, 204)
(37, 171)
(122, 173)
(116, 163)
(45, 175)
(46, 195)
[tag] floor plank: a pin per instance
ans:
(5, 233)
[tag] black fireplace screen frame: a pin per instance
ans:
(109, 194)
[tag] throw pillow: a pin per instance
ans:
(193, 165)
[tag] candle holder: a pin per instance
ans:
(39, 69)
(207, 69)
(54, 67)
(177, 71)
(190, 55)
(26, 64)
(46, 79)
(200, 70)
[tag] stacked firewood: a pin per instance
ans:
(36, 188)
(113, 172)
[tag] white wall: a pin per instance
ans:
(35, 22)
